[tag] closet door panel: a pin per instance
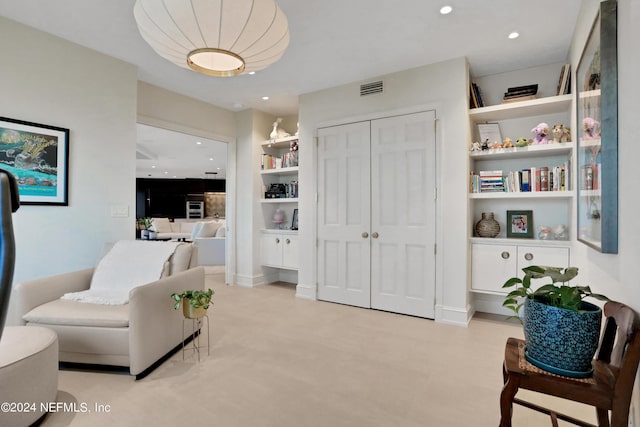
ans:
(403, 214)
(344, 271)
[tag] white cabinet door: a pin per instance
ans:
(491, 266)
(344, 214)
(290, 254)
(271, 249)
(536, 255)
(403, 214)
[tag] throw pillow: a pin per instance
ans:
(208, 229)
(196, 229)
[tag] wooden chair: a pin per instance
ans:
(609, 389)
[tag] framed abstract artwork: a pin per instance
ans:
(38, 156)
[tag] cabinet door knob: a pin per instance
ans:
(528, 256)
(277, 240)
(375, 235)
(505, 255)
(365, 235)
(288, 241)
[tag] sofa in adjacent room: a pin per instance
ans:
(207, 234)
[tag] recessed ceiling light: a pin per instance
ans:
(251, 73)
(166, 172)
(199, 142)
(153, 166)
(265, 98)
(210, 158)
(445, 10)
(514, 35)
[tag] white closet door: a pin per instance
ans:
(344, 214)
(403, 211)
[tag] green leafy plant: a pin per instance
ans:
(145, 223)
(195, 298)
(556, 294)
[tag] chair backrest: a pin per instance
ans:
(620, 346)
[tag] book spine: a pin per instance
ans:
(544, 179)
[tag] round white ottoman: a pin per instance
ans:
(28, 373)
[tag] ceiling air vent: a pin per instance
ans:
(371, 88)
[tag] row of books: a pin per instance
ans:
(475, 97)
(520, 93)
(564, 81)
(526, 180)
(590, 176)
(287, 160)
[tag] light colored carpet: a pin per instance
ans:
(281, 361)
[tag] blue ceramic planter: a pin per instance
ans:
(559, 340)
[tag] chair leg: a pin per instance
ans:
(603, 417)
(509, 391)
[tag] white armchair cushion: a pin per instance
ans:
(222, 231)
(65, 312)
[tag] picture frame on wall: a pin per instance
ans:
(37, 155)
(520, 224)
(294, 219)
(597, 146)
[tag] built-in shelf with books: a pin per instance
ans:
(537, 177)
(279, 172)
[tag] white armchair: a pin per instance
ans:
(134, 335)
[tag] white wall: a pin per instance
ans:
(44, 79)
(442, 87)
(253, 128)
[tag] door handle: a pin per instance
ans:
(375, 235)
(277, 240)
(288, 241)
(528, 256)
(365, 235)
(505, 255)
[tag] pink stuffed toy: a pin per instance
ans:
(590, 127)
(542, 134)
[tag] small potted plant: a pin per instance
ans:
(145, 225)
(194, 303)
(561, 330)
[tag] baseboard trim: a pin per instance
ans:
(306, 292)
(454, 315)
(250, 281)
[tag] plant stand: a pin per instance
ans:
(196, 328)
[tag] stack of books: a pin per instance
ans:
(475, 97)
(520, 93)
(491, 181)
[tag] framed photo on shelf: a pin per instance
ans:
(597, 148)
(489, 132)
(37, 156)
(294, 219)
(520, 224)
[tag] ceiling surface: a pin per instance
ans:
(333, 42)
